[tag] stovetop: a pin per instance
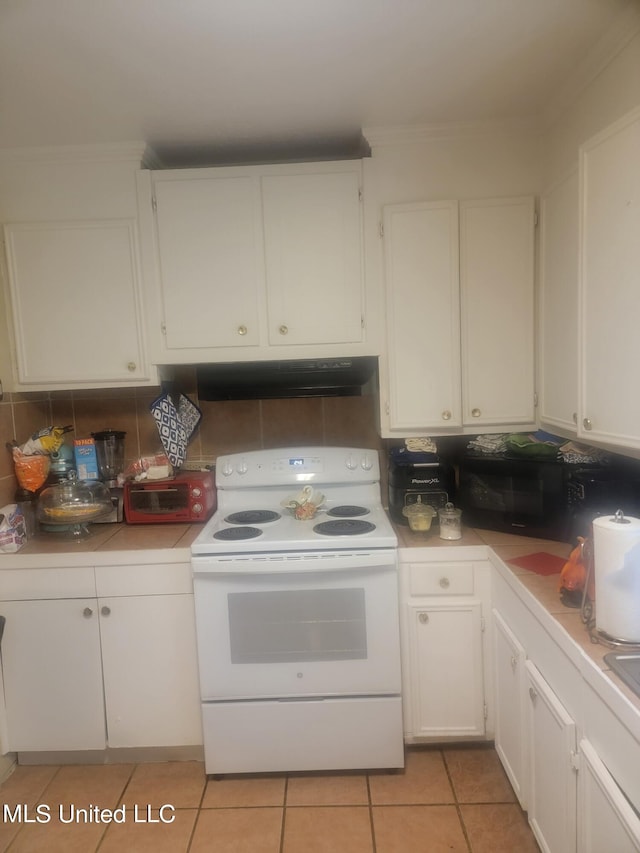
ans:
(253, 487)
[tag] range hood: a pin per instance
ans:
(332, 377)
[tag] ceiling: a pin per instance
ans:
(200, 79)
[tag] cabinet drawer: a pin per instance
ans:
(154, 579)
(440, 578)
(26, 584)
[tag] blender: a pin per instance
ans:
(110, 453)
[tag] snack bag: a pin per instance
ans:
(12, 530)
(31, 471)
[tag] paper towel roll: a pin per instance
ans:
(616, 554)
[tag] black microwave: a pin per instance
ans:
(523, 496)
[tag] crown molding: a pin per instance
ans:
(622, 31)
(136, 152)
(418, 134)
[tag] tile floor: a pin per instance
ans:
(454, 799)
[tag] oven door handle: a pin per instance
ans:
(312, 561)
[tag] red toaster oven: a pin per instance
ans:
(188, 497)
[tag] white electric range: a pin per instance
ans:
(297, 620)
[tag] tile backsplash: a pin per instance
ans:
(226, 427)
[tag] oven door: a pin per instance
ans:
(297, 625)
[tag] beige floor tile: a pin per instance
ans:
(177, 783)
(331, 789)
(499, 828)
(56, 837)
(424, 781)
(402, 829)
(230, 793)
(169, 836)
(477, 776)
(87, 785)
(328, 830)
(26, 784)
(237, 831)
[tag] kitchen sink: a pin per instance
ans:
(627, 666)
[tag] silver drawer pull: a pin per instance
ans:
(87, 613)
(445, 583)
(423, 617)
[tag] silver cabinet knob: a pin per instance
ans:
(533, 694)
(87, 613)
(423, 617)
(514, 661)
(574, 417)
(105, 611)
(445, 583)
(242, 330)
(475, 413)
(284, 330)
(131, 366)
(586, 423)
(446, 415)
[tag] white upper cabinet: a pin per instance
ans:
(210, 259)
(497, 298)
(254, 262)
(423, 315)
(76, 303)
(460, 316)
(558, 318)
(609, 405)
(313, 250)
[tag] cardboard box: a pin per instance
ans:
(84, 451)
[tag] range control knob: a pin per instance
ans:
(197, 508)
(226, 469)
(367, 463)
(243, 467)
(351, 463)
(196, 491)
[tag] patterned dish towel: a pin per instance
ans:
(175, 425)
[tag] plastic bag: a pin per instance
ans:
(31, 471)
(46, 440)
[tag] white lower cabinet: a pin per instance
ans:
(443, 639)
(553, 766)
(569, 758)
(103, 671)
(149, 671)
(52, 676)
(608, 821)
(510, 718)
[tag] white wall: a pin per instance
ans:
(614, 91)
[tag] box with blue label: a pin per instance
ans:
(84, 451)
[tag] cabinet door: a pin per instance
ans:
(552, 779)
(447, 685)
(558, 305)
(609, 292)
(607, 821)
(52, 676)
(510, 721)
(209, 236)
(313, 251)
(149, 661)
(497, 278)
(76, 303)
(423, 315)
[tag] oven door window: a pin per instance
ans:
(297, 626)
